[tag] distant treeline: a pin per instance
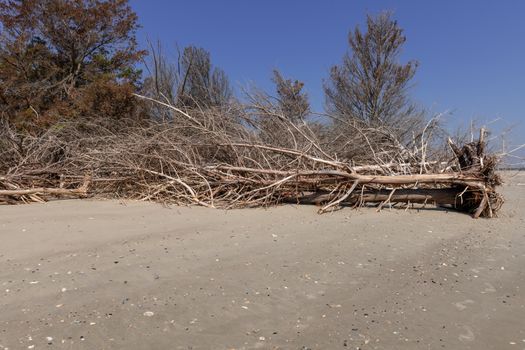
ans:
(63, 60)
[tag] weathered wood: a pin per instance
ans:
(446, 178)
(78, 192)
(43, 190)
(442, 196)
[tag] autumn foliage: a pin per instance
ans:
(65, 59)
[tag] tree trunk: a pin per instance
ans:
(442, 196)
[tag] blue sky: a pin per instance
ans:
(471, 53)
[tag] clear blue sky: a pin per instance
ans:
(471, 53)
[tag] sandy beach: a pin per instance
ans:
(125, 275)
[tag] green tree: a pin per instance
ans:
(371, 85)
(293, 102)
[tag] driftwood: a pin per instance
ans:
(214, 161)
(35, 192)
(45, 191)
(442, 196)
(470, 188)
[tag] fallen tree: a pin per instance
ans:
(211, 159)
(470, 189)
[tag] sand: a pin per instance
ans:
(111, 275)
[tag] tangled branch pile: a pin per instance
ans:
(201, 145)
(220, 159)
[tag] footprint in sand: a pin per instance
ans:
(462, 305)
(489, 288)
(468, 335)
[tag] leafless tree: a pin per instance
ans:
(190, 82)
(280, 118)
(201, 82)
